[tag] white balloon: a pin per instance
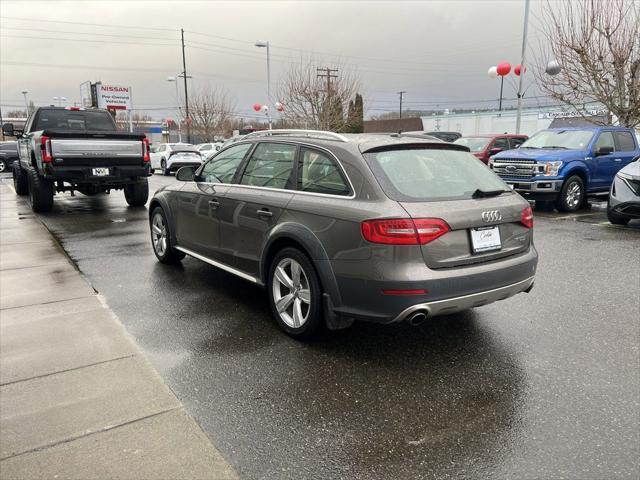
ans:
(553, 67)
(493, 72)
(265, 108)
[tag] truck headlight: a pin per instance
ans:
(550, 169)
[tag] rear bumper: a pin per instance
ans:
(118, 175)
(447, 290)
(458, 304)
(173, 166)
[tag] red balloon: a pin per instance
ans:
(518, 68)
(504, 68)
(257, 107)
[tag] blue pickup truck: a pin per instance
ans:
(564, 165)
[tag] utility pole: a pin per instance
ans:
(522, 63)
(186, 96)
(401, 93)
(2, 123)
(329, 73)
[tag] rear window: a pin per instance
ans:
(179, 147)
(475, 144)
(74, 120)
(419, 175)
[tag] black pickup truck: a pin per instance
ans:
(73, 149)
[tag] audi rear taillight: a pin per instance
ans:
(526, 218)
(146, 150)
(45, 148)
(404, 231)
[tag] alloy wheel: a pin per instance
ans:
(3, 166)
(574, 195)
(159, 234)
(291, 293)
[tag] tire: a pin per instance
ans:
(40, 192)
(572, 195)
(137, 194)
(161, 238)
(163, 166)
(615, 218)
(299, 319)
(3, 166)
(20, 183)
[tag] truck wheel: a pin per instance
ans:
(137, 194)
(40, 192)
(615, 218)
(572, 195)
(20, 183)
(3, 166)
(163, 165)
(161, 238)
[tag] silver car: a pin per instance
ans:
(382, 228)
(624, 196)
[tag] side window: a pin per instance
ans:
(270, 165)
(625, 141)
(205, 148)
(605, 140)
(161, 148)
(502, 143)
(516, 141)
(222, 167)
(319, 173)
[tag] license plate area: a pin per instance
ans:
(100, 172)
(485, 239)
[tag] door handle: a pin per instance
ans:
(213, 203)
(264, 213)
(617, 159)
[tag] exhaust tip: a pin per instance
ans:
(417, 318)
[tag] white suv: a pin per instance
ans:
(169, 157)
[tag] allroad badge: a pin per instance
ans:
(491, 216)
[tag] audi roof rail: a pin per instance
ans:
(321, 134)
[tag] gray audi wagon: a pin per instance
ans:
(338, 228)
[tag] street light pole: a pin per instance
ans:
(522, 64)
(26, 103)
(262, 44)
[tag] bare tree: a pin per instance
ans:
(317, 102)
(597, 44)
(211, 110)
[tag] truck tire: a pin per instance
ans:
(572, 195)
(40, 192)
(137, 194)
(3, 165)
(20, 183)
(163, 165)
(614, 218)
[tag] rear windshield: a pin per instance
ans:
(475, 144)
(74, 120)
(561, 139)
(177, 147)
(419, 175)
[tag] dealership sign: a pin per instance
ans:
(573, 114)
(113, 97)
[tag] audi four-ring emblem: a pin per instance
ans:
(491, 216)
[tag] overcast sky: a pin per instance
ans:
(437, 51)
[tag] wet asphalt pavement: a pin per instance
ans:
(542, 385)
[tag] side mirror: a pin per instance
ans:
(186, 174)
(7, 129)
(604, 151)
(493, 151)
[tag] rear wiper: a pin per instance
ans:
(487, 193)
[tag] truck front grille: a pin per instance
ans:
(514, 167)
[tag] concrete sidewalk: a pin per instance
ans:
(77, 398)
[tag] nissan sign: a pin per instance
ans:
(113, 97)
